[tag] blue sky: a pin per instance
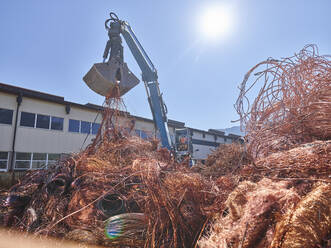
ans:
(50, 45)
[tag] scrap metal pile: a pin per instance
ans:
(120, 191)
(283, 200)
(293, 105)
(283, 195)
(274, 191)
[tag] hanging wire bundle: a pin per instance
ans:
(293, 105)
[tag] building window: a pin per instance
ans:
(39, 160)
(23, 160)
(26, 161)
(4, 160)
(85, 127)
(143, 135)
(53, 158)
(43, 121)
(203, 135)
(6, 116)
(74, 126)
(172, 137)
(57, 123)
(95, 128)
(27, 119)
(77, 126)
(137, 132)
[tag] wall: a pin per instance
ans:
(39, 140)
(52, 141)
(7, 101)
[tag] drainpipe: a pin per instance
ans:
(11, 168)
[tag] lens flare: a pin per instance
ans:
(114, 228)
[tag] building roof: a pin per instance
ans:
(11, 89)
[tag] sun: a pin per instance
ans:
(215, 22)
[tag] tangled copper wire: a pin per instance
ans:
(234, 201)
(119, 179)
(293, 105)
(304, 225)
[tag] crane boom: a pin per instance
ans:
(149, 72)
(113, 74)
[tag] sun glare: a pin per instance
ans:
(215, 22)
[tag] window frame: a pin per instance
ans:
(50, 126)
(49, 121)
(137, 132)
(90, 129)
(7, 160)
(22, 160)
(39, 160)
(143, 134)
(79, 124)
(31, 160)
(52, 161)
(35, 119)
(12, 116)
(94, 123)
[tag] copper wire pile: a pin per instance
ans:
(305, 224)
(273, 196)
(119, 182)
(281, 177)
(250, 212)
(225, 160)
(293, 103)
(273, 191)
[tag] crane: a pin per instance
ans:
(103, 77)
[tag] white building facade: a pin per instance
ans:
(37, 128)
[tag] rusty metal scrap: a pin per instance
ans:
(250, 215)
(293, 104)
(117, 178)
(308, 223)
(288, 154)
(122, 191)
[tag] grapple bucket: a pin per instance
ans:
(103, 78)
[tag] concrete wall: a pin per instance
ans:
(29, 139)
(7, 101)
(32, 140)
(200, 152)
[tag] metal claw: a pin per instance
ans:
(104, 78)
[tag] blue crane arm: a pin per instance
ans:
(149, 73)
(149, 76)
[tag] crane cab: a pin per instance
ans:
(183, 142)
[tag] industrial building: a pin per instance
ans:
(37, 128)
